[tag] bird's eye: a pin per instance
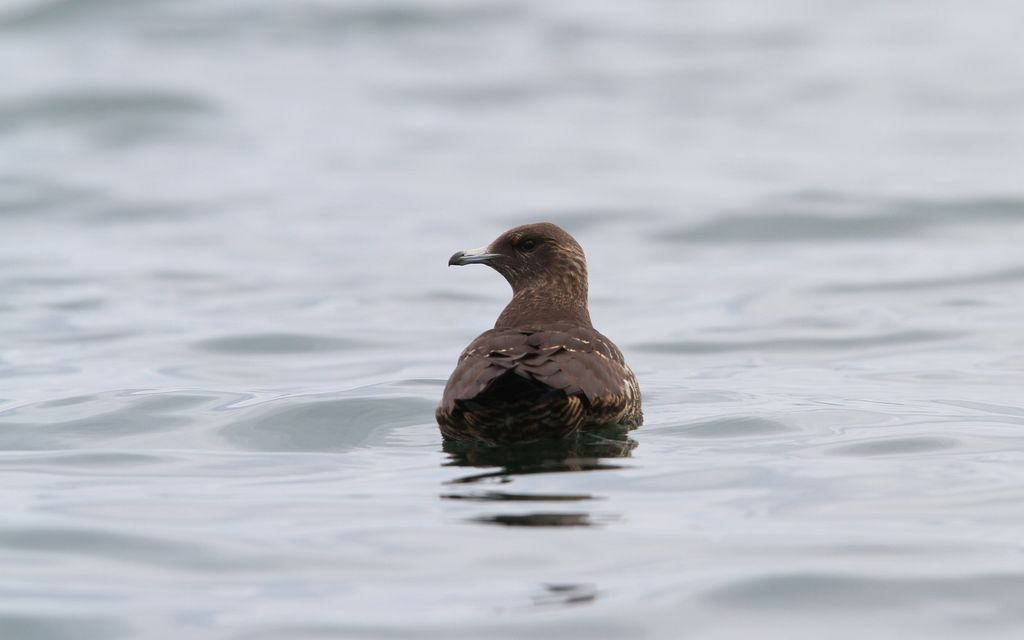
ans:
(528, 245)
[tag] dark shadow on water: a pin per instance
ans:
(503, 463)
(501, 496)
(560, 595)
(538, 520)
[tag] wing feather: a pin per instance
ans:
(572, 359)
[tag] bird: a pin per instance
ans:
(543, 372)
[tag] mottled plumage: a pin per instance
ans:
(543, 371)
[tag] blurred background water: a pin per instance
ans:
(226, 317)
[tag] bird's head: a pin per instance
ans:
(543, 263)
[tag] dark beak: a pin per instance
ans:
(472, 256)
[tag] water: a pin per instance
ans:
(226, 318)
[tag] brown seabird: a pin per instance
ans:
(543, 371)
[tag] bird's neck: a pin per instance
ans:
(545, 304)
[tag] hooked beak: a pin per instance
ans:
(472, 256)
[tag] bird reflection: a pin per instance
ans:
(586, 451)
(566, 594)
(580, 452)
(538, 519)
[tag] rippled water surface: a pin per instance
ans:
(226, 318)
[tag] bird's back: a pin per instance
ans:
(530, 383)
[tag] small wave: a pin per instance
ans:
(327, 425)
(297, 21)
(1015, 274)
(62, 12)
(27, 194)
(62, 627)
(992, 596)
(112, 116)
(450, 295)
(125, 548)
(86, 421)
(986, 407)
(79, 304)
(472, 95)
(896, 446)
(304, 21)
(105, 460)
(273, 343)
(835, 218)
(799, 344)
(579, 221)
(735, 427)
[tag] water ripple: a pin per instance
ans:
(835, 218)
(1011, 275)
(112, 116)
(274, 343)
(800, 344)
(994, 597)
(301, 19)
(125, 548)
(63, 627)
(736, 427)
(327, 425)
(896, 446)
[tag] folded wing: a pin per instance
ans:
(576, 360)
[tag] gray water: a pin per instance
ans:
(226, 317)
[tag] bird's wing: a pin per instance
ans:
(576, 360)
